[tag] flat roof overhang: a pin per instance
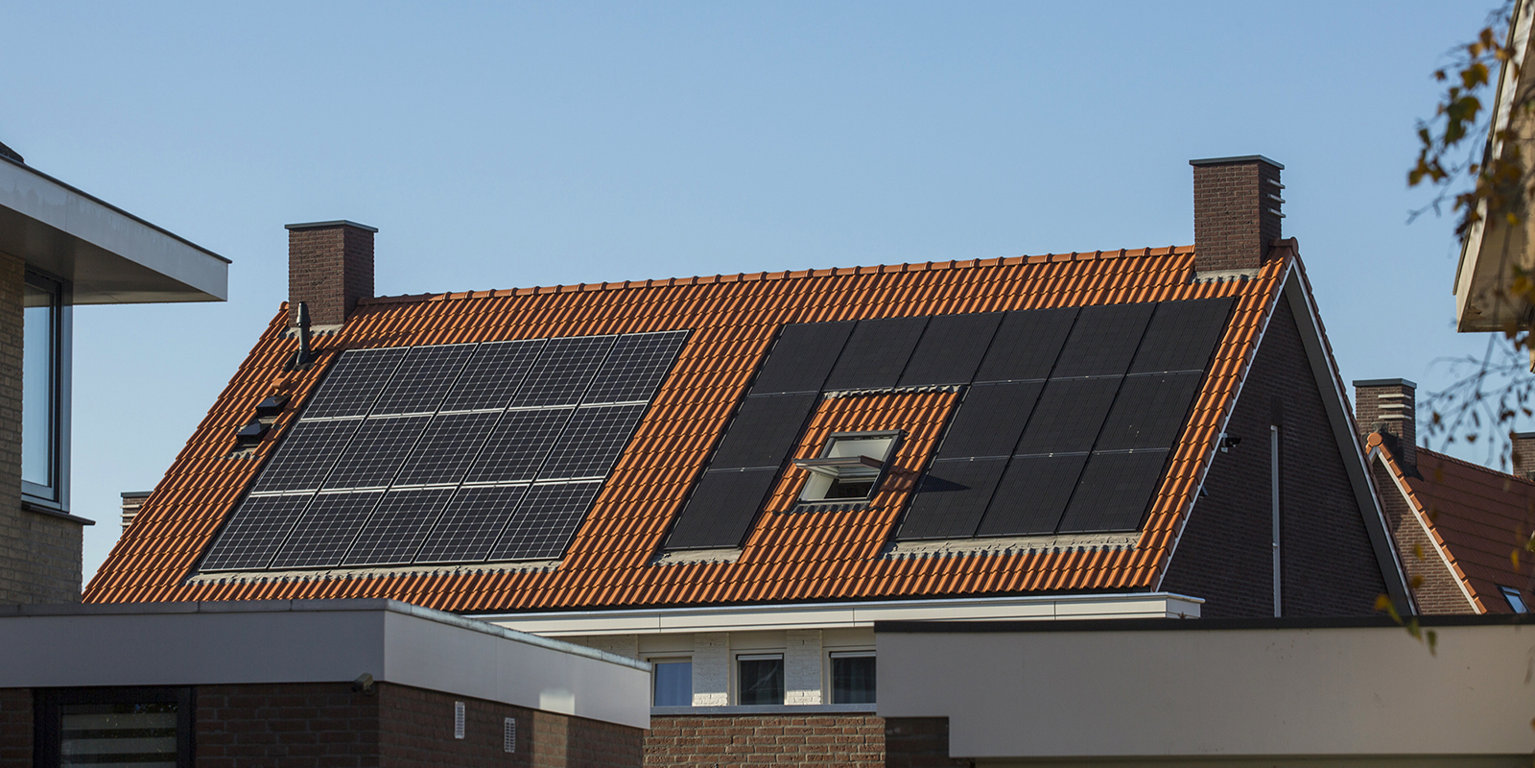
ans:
(109, 255)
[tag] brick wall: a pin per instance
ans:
(40, 555)
(311, 724)
(1224, 555)
(15, 726)
(1389, 406)
(919, 742)
(330, 267)
(852, 740)
(1433, 584)
(1233, 225)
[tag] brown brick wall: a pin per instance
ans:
(851, 740)
(15, 726)
(1389, 406)
(1232, 228)
(319, 724)
(1433, 584)
(1224, 555)
(329, 269)
(40, 558)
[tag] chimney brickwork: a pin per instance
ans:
(1522, 462)
(1236, 212)
(330, 267)
(1390, 407)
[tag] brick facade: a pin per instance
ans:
(1236, 212)
(1328, 566)
(330, 267)
(1390, 407)
(844, 740)
(1433, 584)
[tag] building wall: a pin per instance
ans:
(1434, 585)
(39, 553)
(832, 740)
(1328, 567)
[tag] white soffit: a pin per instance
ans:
(111, 256)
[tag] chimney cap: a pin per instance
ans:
(1524, 435)
(1203, 161)
(1385, 383)
(327, 225)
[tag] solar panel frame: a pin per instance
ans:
(470, 524)
(802, 357)
(1149, 411)
(545, 521)
(950, 499)
(353, 383)
(877, 353)
(374, 454)
(1114, 492)
(1068, 415)
(721, 509)
(951, 349)
(636, 367)
(1182, 335)
(254, 531)
(447, 448)
(592, 441)
(423, 379)
(1032, 495)
(764, 430)
(1103, 340)
(492, 375)
(1026, 344)
(326, 530)
(395, 531)
(518, 445)
(989, 421)
(563, 372)
(306, 455)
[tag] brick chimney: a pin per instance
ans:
(132, 501)
(1522, 463)
(1390, 407)
(330, 267)
(1236, 211)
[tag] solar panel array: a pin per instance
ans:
(447, 454)
(1067, 418)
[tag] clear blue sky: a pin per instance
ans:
(499, 145)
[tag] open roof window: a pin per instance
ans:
(849, 466)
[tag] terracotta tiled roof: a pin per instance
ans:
(1479, 517)
(733, 318)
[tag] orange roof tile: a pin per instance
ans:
(733, 319)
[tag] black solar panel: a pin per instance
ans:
(1182, 335)
(721, 509)
(951, 349)
(446, 449)
(354, 382)
(636, 367)
(306, 455)
(1027, 344)
(563, 371)
(325, 531)
(1068, 415)
(1114, 492)
(877, 353)
(1103, 340)
(471, 524)
(394, 533)
(545, 521)
(1149, 411)
(592, 441)
(518, 445)
(764, 430)
(420, 382)
(492, 375)
(1032, 495)
(990, 420)
(802, 357)
(951, 498)
(376, 452)
(254, 531)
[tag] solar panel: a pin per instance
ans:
(470, 524)
(636, 367)
(1026, 344)
(951, 349)
(422, 380)
(492, 375)
(721, 509)
(257, 527)
(990, 420)
(1103, 340)
(802, 357)
(764, 430)
(393, 534)
(1114, 492)
(877, 353)
(306, 455)
(1182, 335)
(544, 522)
(1032, 495)
(592, 441)
(446, 449)
(951, 498)
(326, 529)
(1068, 415)
(354, 382)
(518, 445)
(376, 452)
(563, 371)
(1149, 411)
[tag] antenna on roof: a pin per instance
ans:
(303, 357)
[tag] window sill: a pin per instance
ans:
(768, 709)
(32, 506)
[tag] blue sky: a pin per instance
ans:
(498, 145)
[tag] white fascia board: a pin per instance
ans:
(109, 255)
(753, 618)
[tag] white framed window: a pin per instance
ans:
(849, 467)
(852, 677)
(1515, 600)
(671, 682)
(45, 391)
(759, 679)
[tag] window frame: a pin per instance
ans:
(1515, 599)
(739, 684)
(821, 493)
(54, 494)
(831, 676)
(655, 662)
(47, 733)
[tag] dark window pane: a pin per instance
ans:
(118, 734)
(761, 680)
(852, 680)
(673, 683)
(38, 384)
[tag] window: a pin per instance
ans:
(44, 389)
(150, 727)
(671, 685)
(852, 677)
(1515, 600)
(849, 467)
(759, 678)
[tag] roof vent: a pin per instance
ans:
(303, 357)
